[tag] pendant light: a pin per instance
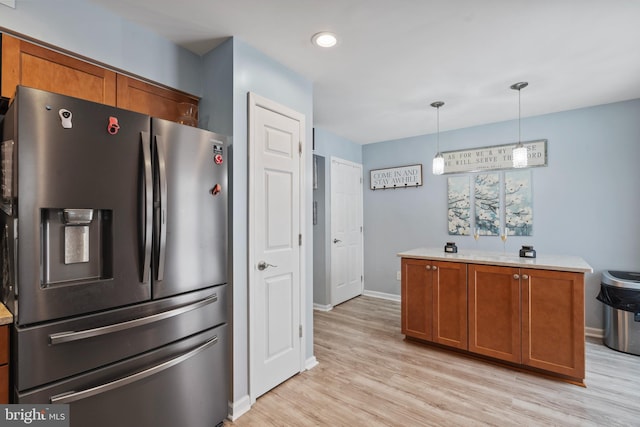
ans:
(438, 160)
(519, 154)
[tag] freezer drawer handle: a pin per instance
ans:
(104, 388)
(63, 337)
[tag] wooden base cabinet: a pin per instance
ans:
(553, 321)
(494, 312)
(417, 299)
(4, 364)
(434, 301)
(529, 317)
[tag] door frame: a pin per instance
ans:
(333, 161)
(255, 101)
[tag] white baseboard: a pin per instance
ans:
(239, 408)
(243, 405)
(310, 363)
(594, 332)
(321, 307)
(382, 295)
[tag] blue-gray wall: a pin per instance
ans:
(585, 203)
(251, 71)
(87, 30)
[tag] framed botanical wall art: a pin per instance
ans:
(486, 191)
(518, 210)
(459, 206)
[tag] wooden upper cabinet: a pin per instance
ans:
(27, 64)
(150, 99)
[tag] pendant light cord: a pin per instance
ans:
(438, 129)
(519, 117)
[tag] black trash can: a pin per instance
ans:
(620, 294)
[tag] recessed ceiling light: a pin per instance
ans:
(324, 39)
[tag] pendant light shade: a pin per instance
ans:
(438, 160)
(438, 164)
(519, 154)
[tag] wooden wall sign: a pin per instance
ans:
(493, 158)
(398, 177)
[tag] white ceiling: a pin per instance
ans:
(395, 57)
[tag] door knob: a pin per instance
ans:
(263, 265)
(336, 241)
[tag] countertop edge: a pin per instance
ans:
(546, 262)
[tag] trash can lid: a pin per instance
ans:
(621, 279)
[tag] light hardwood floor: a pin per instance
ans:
(368, 375)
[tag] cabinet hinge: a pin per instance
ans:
(300, 331)
(362, 278)
(300, 148)
(299, 239)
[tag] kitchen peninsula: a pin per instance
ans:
(525, 312)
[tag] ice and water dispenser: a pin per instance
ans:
(76, 245)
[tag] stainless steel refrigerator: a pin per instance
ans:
(114, 252)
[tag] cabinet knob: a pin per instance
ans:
(435, 267)
(516, 276)
(428, 267)
(525, 277)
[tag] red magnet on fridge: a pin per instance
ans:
(218, 159)
(113, 127)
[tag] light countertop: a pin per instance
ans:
(5, 315)
(542, 262)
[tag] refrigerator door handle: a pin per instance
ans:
(69, 336)
(162, 219)
(73, 396)
(148, 206)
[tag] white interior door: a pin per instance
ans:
(347, 277)
(275, 141)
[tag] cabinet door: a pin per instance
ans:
(450, 304)
(494, 312)
(146, 98)
(417, 299)
(27, 64)
(553, 321)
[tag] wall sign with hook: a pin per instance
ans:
(398, 177)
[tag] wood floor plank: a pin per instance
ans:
(368, 375)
